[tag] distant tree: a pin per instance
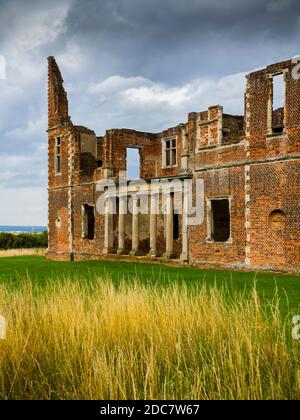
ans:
(23, 240)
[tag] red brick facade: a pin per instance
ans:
(250, 163)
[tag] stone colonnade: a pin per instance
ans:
(154, 211)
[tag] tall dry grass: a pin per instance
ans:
(23, 252)
(136, 342)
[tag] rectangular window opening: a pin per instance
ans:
(168, 158)
(133, 163)
(170, 151)
(278, 104)
(58, 155)
(89, 222)
(220, 222)
(176, 226)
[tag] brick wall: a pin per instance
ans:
(225, 183)
(238, 157)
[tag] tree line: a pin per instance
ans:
(23, 240)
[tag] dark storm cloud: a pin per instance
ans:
(142, 64)
(178, 39)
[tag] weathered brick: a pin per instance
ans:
(237, 157)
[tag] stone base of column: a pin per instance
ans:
(184, 257)
(136, 253)
(121, 251)
(107, 251)
(168, 256)
(153, 254)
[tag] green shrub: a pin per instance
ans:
(23, 240)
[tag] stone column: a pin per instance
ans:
(185, 149)
(135, 226)
(185, 250)
(270, 105)
(121, 225)
(108, 227)
(153, 224)
(170, 227)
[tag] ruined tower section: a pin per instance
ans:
(57, 96)
(74, 165)
(60, 134)
(218, 145)
(272, 173)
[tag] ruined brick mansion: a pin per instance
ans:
(250, 166)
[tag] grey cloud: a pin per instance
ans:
(141, 64)
(176, 40)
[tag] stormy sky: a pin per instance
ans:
(141, 64)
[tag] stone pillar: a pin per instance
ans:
(270, 105)
(170, 227)
(185, 149)
(135, 226)
(153, 224)
(121, 225)
(108, 227)
(185, 250)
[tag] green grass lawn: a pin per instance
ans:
(38, 269)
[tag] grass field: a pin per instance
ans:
(22, 252)
(38, 269)
(118, 330)
(133, 341)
